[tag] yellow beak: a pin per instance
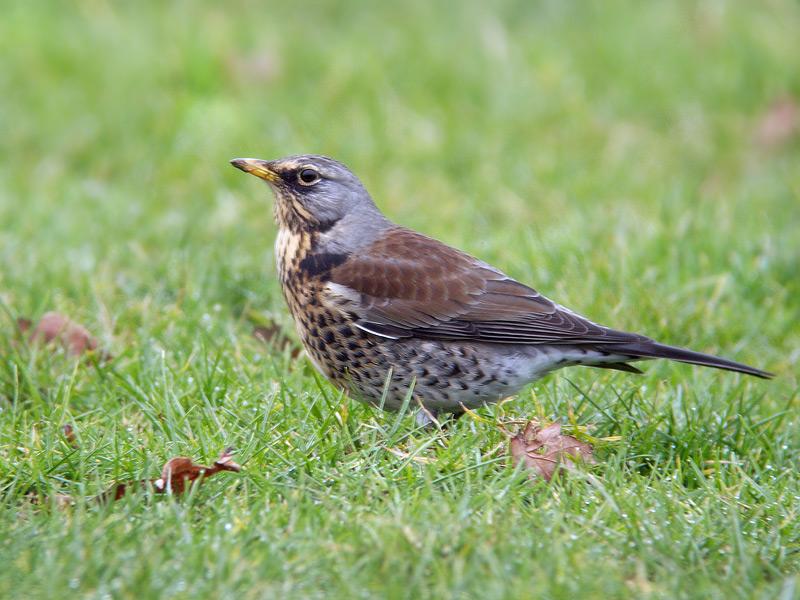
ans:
(255, 166)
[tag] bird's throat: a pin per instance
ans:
(291, 248)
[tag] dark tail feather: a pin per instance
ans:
(620, 366)
(656, 350)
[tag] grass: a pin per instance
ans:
(603, 152)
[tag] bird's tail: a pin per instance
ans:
(648, 349)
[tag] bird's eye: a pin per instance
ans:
(308, 177)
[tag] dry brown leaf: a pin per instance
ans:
(57, 328)
(69, 434)
(118, 490)
(779, 123)
(175, 476)
(178, 472)
(545, 449)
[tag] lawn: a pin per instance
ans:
(638, 162)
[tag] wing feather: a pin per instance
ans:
(409, 285)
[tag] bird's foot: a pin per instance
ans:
(428, 418)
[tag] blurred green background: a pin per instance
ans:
(638, 162)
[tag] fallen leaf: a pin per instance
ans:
(545, 449)
(69, 435)
(118, 490)
(55, 327)
(178, 472)
(175, 476)
(779, 123)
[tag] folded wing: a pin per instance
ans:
(409, 285)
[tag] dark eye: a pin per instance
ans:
(308, 177)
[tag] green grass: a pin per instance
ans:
(604, 153)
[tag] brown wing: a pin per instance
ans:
(409, 285)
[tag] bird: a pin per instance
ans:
(388, 314)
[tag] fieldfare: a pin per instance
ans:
(382, 309)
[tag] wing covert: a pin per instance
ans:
(409, 285)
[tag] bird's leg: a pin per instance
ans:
(430, 418)
(426, 418)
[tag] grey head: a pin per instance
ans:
(317, 193)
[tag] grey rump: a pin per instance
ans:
(378, 306)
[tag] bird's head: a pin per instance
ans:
(311, 191)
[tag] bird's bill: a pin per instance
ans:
(255, 166)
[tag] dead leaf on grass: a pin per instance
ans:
(69, 434)
(543, 450)
(176, 476)
(56, 328)
(24, 324)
